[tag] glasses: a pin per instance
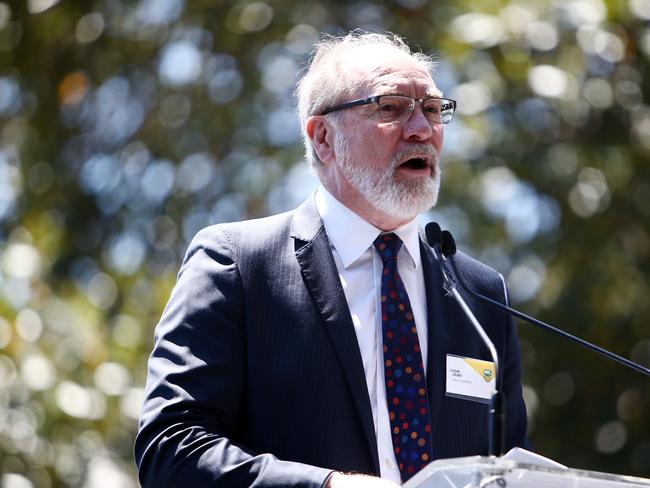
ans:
(398, 108)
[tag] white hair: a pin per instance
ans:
(325, 84)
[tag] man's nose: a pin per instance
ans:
(418, 128)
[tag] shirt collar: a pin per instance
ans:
(338, 220)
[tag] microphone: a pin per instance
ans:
(434, 235)
(434, 238)
(496, 417)
(448, 247)
(448, 244)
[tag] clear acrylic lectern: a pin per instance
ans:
(490, 472)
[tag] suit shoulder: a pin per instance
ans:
(245, 240)
(467, 262)
(483, 278)
(253, 230)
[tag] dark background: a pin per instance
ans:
(127, 126)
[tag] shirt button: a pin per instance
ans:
(388, 463)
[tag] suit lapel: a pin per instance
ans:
(319, 273)
(438, 338)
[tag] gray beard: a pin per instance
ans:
(399, 199)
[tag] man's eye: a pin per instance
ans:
(389, 108)
(432, 109)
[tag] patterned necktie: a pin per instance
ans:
(406, 390)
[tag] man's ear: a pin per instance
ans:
(321, 136)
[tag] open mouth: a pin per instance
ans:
(415, 163)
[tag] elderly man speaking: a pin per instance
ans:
(309, 349)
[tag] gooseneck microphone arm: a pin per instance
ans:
(449, 250)
(496, 421)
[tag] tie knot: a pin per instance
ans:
(388, 245)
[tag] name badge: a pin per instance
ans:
(470, 379)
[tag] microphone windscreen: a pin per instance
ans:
(434, 233)
(448, 244)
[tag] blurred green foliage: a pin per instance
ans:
(127, 126)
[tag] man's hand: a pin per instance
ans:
(339, 480)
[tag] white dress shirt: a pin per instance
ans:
(359, 267)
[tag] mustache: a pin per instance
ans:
(417, 150)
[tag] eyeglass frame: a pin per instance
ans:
(375, 99)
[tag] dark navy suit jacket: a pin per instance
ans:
(256, 377)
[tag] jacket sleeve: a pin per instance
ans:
(194, 397)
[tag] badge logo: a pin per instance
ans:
(470, 379)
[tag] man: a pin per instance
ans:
(304, 346)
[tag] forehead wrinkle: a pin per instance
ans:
(395, 88)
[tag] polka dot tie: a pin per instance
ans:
(406, 390)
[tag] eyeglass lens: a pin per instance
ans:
(396, 108)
